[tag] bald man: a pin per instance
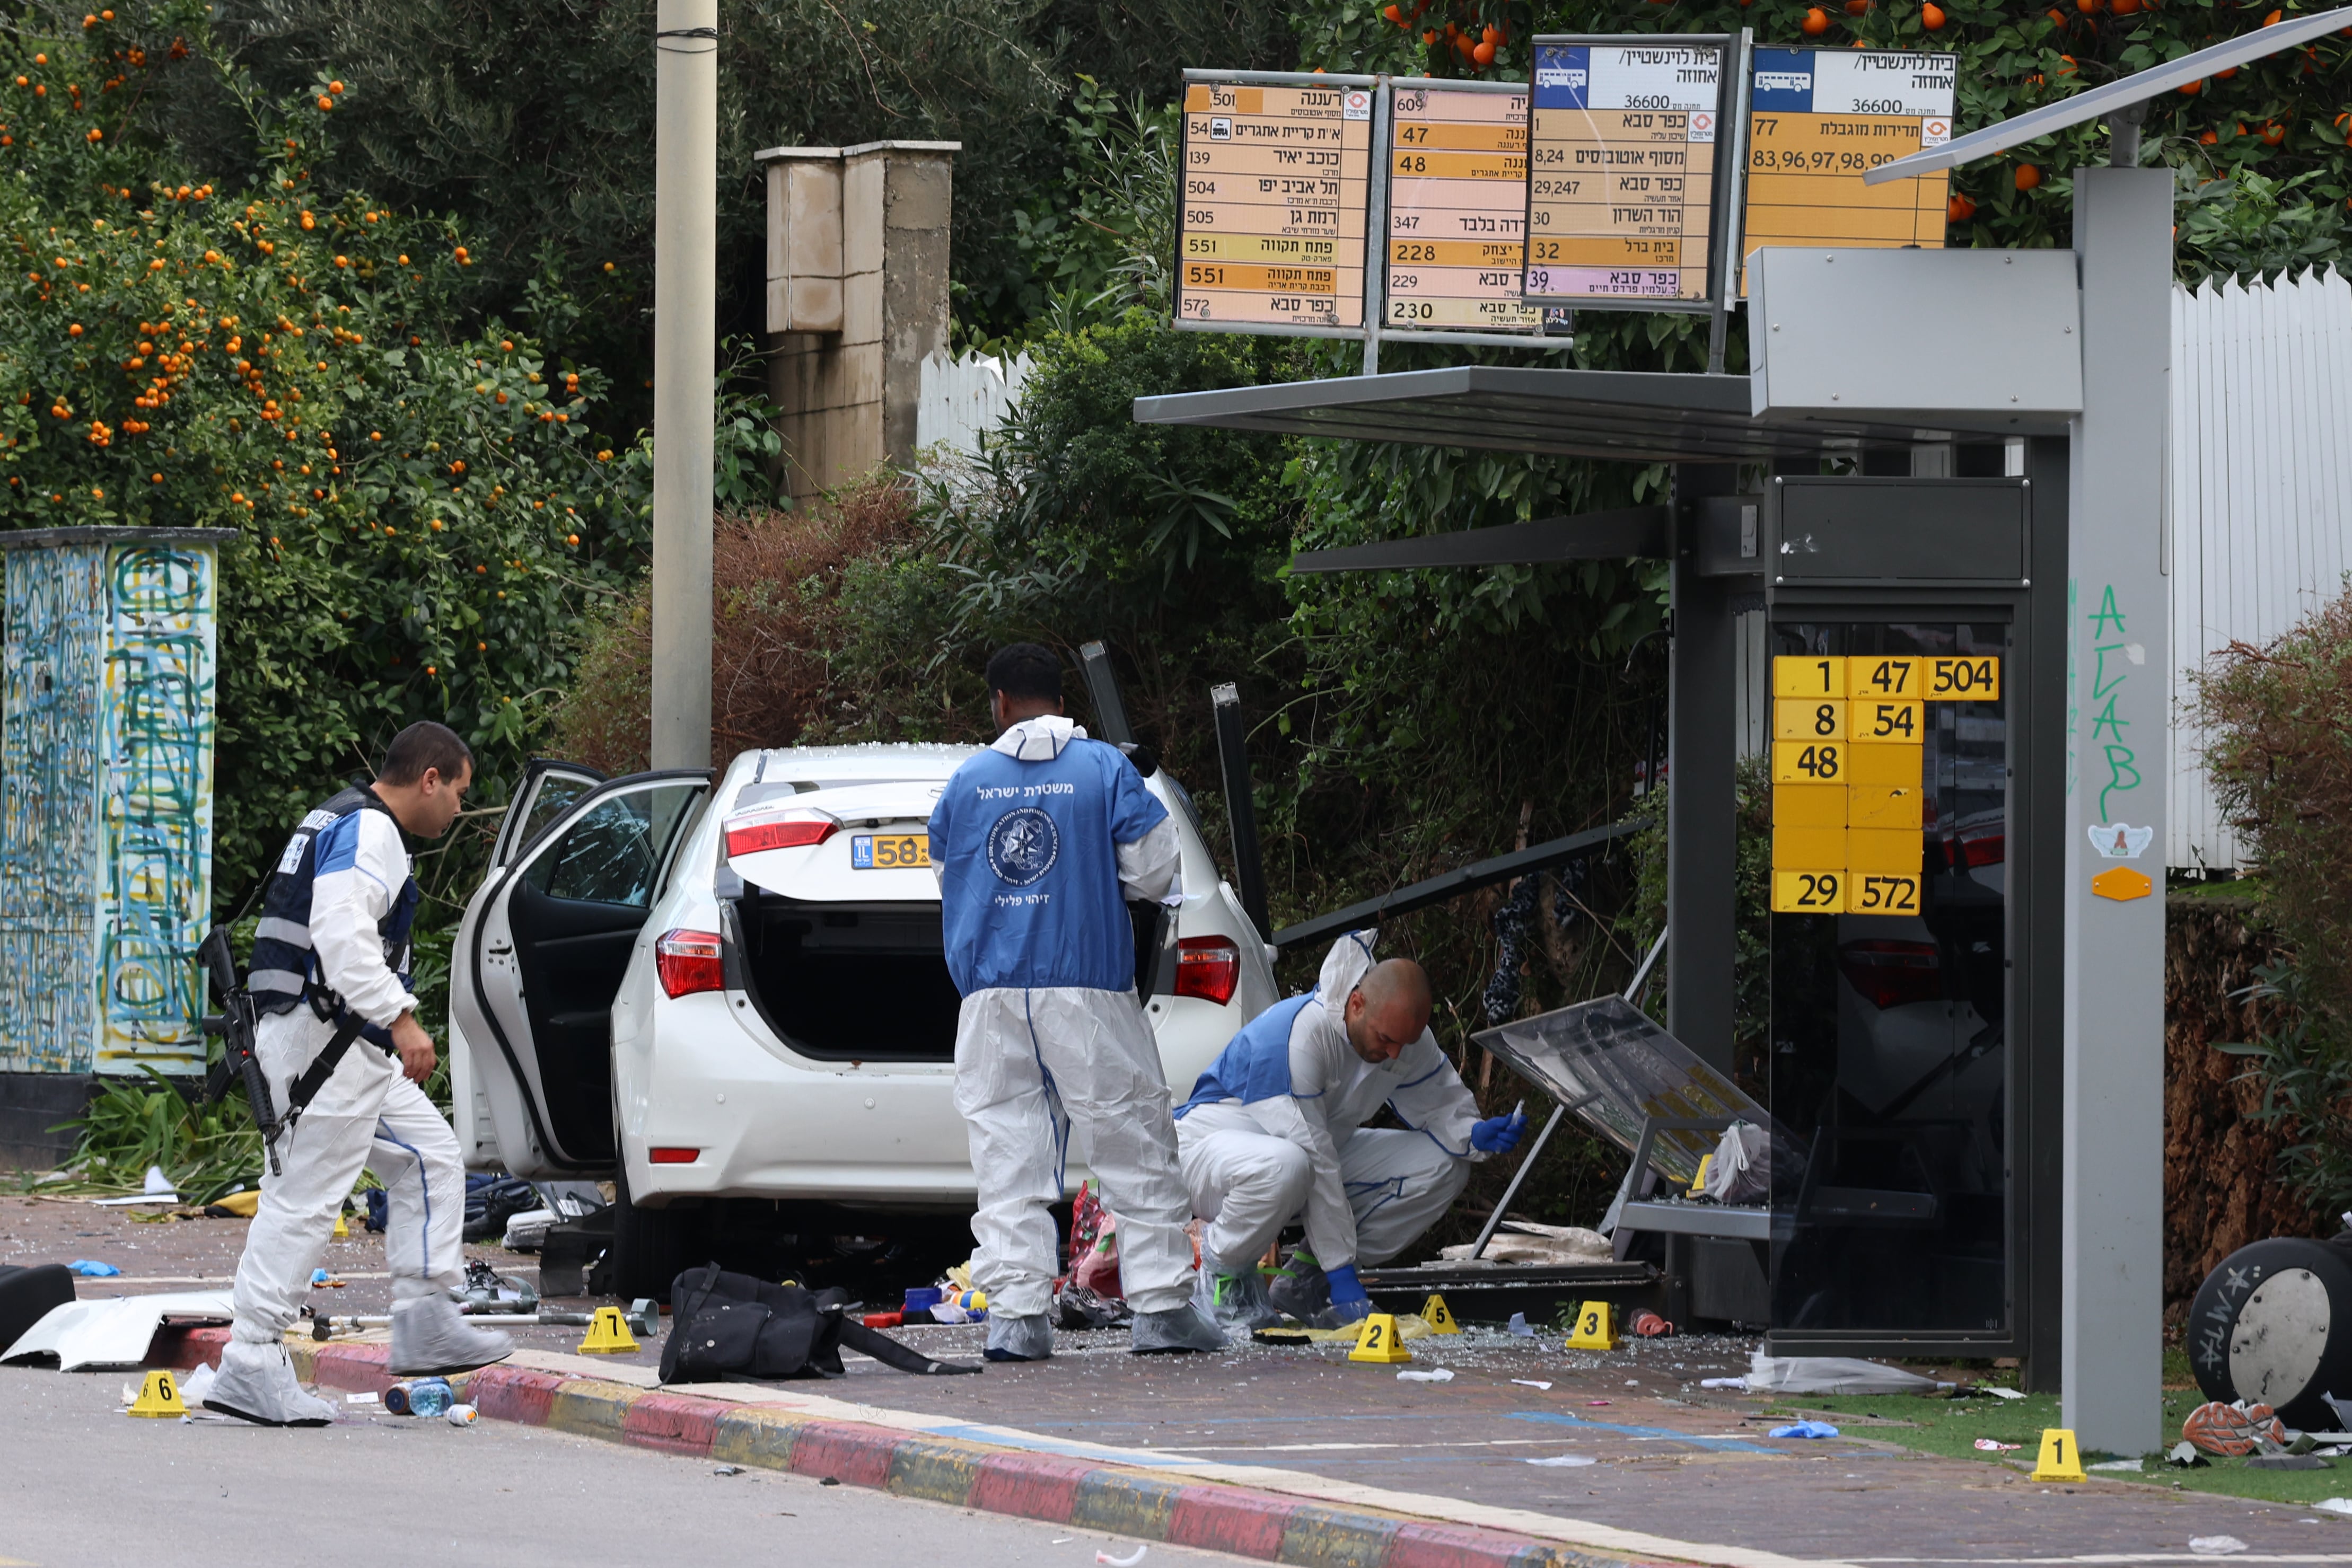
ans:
(1277, 1127)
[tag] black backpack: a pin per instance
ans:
(734, 1328)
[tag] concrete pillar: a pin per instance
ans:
(857, 298)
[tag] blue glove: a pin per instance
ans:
(1498, 1134)
(1344, 1286)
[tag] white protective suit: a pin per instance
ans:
(366, 1115)
(1250, 1168)
(1032, 1063)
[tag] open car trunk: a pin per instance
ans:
(846, 982)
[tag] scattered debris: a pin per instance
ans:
(1805, 1429)
(2184, 1455)
(2002, 1392)
(1563, 1462)
(2334, 1504)
(2132, 1465)
(1129, 1560)
(1989, 1445)
(362, 1399)
(91, 1269)
(1518, 1325)
(1440, 1375)
(1833, 1375)
(728, 1470)
(1532, 1383)
(461, 1415)
(1650, 1325)
(2216, 1545)
(1736, 1385)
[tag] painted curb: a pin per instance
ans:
(1083, 1493)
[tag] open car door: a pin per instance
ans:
(541, 956)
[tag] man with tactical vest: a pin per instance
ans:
(1276, 1125)
(330, 972)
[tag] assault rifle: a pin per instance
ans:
(235, 1024)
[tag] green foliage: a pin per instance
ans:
(2278, 748)
(135, 1123)
(418, 511)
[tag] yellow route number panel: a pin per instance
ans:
(1456, 240)
(1276, 186)
(1848, 750)
(1819, 120)
(1621, 171)
(1808, 892)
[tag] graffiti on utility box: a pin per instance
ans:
(106, 781)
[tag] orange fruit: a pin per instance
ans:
(1816, 22)
(2027, 176)
(1483, 54)
(1931, 16)
(2191, 89)
(1959, 209)
(2272, 134)
(2225, 76)
(2210, 138)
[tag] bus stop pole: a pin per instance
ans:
(2118, 642)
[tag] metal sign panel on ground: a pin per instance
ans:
(1456, 211)
(1622, 164)
(1275, 182)
(1818, 120)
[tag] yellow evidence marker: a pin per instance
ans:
(608, 1334)
(1595, 1328)
(1435, 1313)
(343, 1226)
(158, 1396)
(2061, 1460)
(1379, 1341)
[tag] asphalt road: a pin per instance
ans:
(85, 1484)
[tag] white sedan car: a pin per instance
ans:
(707, 992)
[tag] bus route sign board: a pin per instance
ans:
(1276, 186)
(1821, 119)
(1456, 211)
(1622, 171)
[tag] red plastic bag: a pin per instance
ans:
(1094, 1245)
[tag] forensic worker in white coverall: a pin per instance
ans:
(1037, 842)
(1275, 1128)
(330, 965)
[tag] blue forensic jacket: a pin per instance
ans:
(1027, 852)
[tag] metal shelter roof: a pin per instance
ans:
(1633, 415)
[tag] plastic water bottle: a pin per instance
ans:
(430, 1396)
(461, 1415)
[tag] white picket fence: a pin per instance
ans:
(961, 399)
(2260, 493)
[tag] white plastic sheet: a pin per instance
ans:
(1831, 1374)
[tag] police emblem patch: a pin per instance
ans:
(1023, 845)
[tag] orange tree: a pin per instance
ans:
(2264, 152)
(421, 510)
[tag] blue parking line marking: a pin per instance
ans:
(1714, 1445)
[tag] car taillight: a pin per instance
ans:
(1208, 967)
(1982, 848)
(661, 1156)
(794, 831)
(1891, 974)
(689, 961)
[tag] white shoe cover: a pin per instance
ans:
(256, 1384)
(430, 1337)
(1019, 1339)
(1232, 1297)
(1178, 1329)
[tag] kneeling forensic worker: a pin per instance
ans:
(344, 1058)
(1276, 1125)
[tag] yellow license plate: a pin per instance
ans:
(889, 852)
